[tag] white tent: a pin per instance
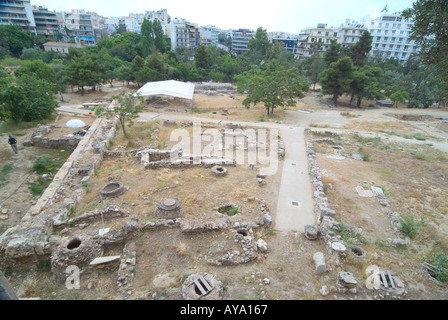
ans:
(173, 88)
(75, 123)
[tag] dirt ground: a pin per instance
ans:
(412, 176)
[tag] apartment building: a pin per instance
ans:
(390, 36)
(350, 32)
(81, 24)
(184, 34)
(316, 40)
(240, 40)
(46, 21)
(209, 35)
(19, 13)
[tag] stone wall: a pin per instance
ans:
(33, 236)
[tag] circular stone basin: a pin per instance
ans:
(74, 243)
(358, 252)
(112, 189)
(168, 208)
(219, 171)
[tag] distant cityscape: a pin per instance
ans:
(390, 33)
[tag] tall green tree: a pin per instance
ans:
(333, 53)
(336, 79)
(274, 87)
(39, 70)
(367, 83)
(28, 99)
(159, 37)
(126, 108)
(14, 40)
(259, 46)
(84, 71)
(147, 37)
(430, 31)
(359, 51)
(315, 69)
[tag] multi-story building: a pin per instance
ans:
(390, 36)
(184, 34)
(209, 35)
(350, 32)
(240, 40)
(19, 13)
(46, 21)
(288, 41)
(80, 25)
(316, 40)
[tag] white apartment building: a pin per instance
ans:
(209, 35)
(240, 40)
(317, 40)
(81, 26)
(350, 32)
(184, 34)
(390, 36)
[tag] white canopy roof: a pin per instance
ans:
(184, 90)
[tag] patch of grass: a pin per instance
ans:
(385, 172)
(38, 187)
(409, 227)
(365, 157)
(421, 156)
(440, 262)
(347, 234)
(419, 136)
(44, 165)
(44, 266)
(4, 174)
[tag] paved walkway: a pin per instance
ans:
(295, 196)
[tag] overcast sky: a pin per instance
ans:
(273, 15)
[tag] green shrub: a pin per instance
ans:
(409, 227)
(440, 262)
(46, 165)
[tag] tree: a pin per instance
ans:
(399, 96)
(40, 70)
(28, 99)
(360, 50)
(366, 83)
(202, 61)
(147, 37)
(315, 69)
(159, 37)
(430, 31)
(31, 54)
(259, 46)
(336, 79)
(126, 108)
(274, 86)
(333, 53)
(14, 39)
(84, 71)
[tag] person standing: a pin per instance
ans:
(13, 142)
